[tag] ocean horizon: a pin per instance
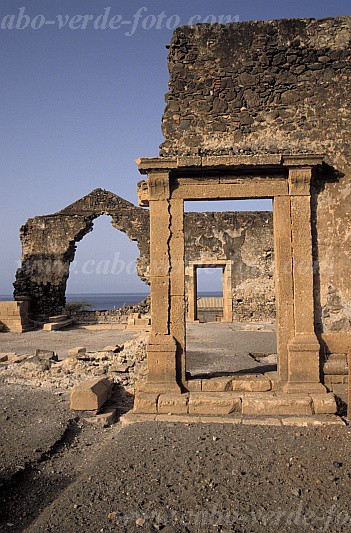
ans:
(107, 301)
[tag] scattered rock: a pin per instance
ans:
(76, 351)
(91, 394)
(47, 355)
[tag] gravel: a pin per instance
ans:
(62, 340)
(31, 422)
(195, 477)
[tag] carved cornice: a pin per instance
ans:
(161, 164)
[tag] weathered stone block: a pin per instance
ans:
(220, 403)
(223, 384)
(47, 355)
(173, 404)
(145, 402)
(194, 385)
(312, 421)
(251, 383)
(79, 350)
(103, 420)
(324, 403)
(336, 364)
(271, 404)
(91, 394)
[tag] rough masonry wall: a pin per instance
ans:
(274, 87)
(246, 239)
(49, 245)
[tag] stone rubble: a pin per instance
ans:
(44, 370)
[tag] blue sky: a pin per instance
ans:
(78, 106)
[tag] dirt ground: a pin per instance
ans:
(58, 473)
(31, 422)
(62, 340)
(187, 478)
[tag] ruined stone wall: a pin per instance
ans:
(49, 245)
(246, 239)
(274, 87)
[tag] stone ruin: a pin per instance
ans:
(49, 245)
(256, 110)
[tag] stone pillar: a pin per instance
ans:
(283, 281)
(227, 293)
(192, 292)
(177, 285)
(161, 348)
(304, 348)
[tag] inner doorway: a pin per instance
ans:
(209, 293)
(230, 289)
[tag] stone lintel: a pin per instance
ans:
(149, 164)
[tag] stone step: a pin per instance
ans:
(240, 402)
(295, 421)
(58, 318)
(53, 326)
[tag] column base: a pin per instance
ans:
(161, 365)
(303, 362)
(309, 388)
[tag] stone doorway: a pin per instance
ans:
(192, 287)
(286, 180)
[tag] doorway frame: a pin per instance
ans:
(286, 179)
(191, 286)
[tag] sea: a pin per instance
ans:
(102, 301)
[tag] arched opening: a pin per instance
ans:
(104, 271)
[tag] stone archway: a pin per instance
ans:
(49, 246)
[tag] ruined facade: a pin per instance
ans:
(274, 87)
(49, 245)
(242, 245)
(256, 110)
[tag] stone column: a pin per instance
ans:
(227, 293)
(304, 348)
(177, 285)
(161, 348)
(283, 281)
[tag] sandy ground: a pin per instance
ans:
(61, 341)
(58, 473)
(188, 478)
(224, 348)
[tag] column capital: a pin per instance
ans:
(158, 185)
(300, 181)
